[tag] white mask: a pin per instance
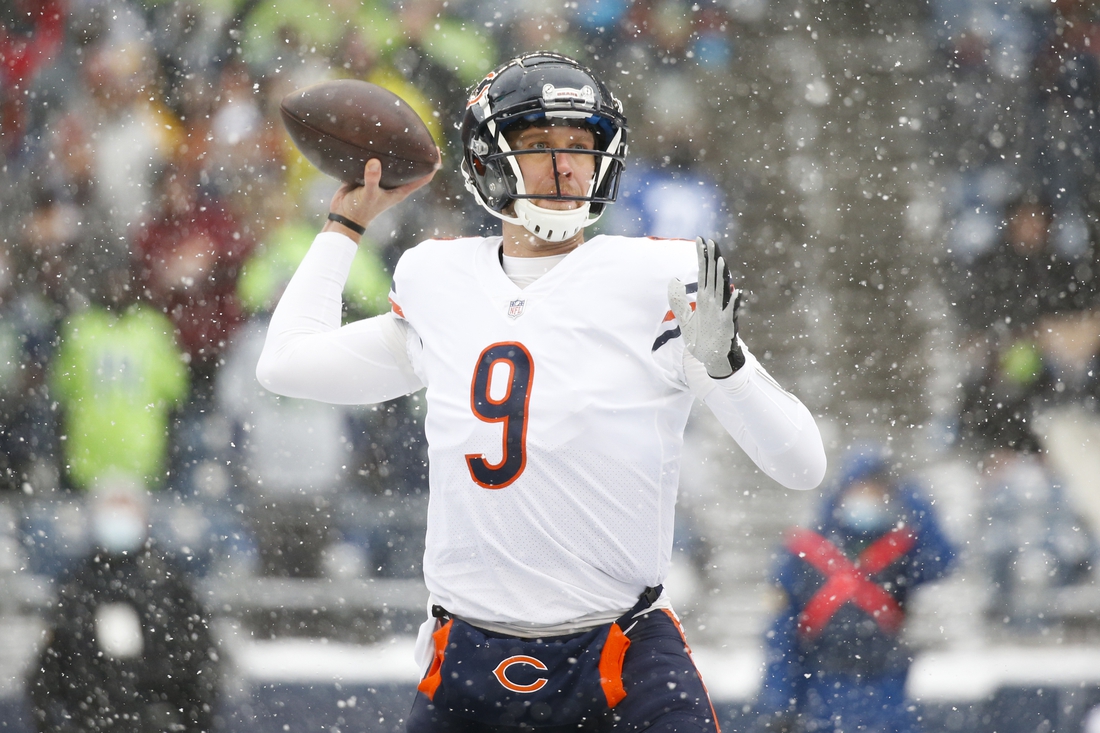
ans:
(118, 531)
(864, 514)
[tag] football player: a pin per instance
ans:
(559, 375)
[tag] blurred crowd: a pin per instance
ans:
(154, 209)
(154, 212)
(1019, 96)
(157, 210)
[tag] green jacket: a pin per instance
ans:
(117, 379)
(451, 42)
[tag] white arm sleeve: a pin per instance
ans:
(771, 425)
(309, 355)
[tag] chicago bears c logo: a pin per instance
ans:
(501, 673)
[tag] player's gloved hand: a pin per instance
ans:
(710, 332)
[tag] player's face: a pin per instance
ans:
(574, 172)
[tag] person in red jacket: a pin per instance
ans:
(31, 33)
(189, 256)
(835, 658)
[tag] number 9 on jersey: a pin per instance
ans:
(500, 393)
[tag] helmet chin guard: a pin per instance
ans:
(532, 91)
(553, 225)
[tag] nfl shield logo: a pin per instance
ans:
(515, 308)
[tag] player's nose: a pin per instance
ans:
(564, 165)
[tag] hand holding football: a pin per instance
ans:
(339, 125)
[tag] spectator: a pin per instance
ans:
(1023, 277)
(1070, 344)
(189, 256)
(290, 500)
(1047, 371)
(443, 57)
(128, 648)
(242, 160)
(280, 34)
(835, 658)
(267, 271)
(667, 191)
(670, 31)
(1035, 542)
(69, 143)
(1001, 401)
(44, 281)
(1067, 75)
(1030, 420)
(31, 33)
(117, 376)
(134, 131)
(543, 26)
(669, 200)
(989, 56)
(50, 245)
(26, 437)
(1068, 419)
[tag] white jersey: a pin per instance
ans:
(555, 413)
(555, 422)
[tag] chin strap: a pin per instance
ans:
(552, 225)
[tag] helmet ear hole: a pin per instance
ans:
(496, 188)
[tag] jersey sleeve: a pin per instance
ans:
(770, 424)
(308, 354)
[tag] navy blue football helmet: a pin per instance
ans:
(533, 90)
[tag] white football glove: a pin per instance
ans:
(710, 332)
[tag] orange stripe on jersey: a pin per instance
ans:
(396, 308)
(670, 315)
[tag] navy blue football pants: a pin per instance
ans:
(664, 692)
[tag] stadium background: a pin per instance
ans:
(856, 157)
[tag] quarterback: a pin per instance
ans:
(559, 374)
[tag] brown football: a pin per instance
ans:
(339, 125)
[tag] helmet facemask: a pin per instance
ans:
(553, 224)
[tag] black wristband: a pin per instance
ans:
(357, 228)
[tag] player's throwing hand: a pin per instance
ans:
(710, 332)
(358, 204)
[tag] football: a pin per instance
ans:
(339, 125)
